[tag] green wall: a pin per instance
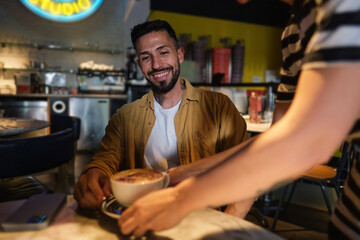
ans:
(262, 43)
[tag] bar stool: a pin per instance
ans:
(322, 175)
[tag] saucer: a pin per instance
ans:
(111, 207)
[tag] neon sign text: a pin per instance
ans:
(63, 10)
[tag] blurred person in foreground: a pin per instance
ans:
(321, 59)
(174, 124)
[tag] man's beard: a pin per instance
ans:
(163, 87)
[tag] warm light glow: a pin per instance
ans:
(63, 11)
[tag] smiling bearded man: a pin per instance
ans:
(173, 125)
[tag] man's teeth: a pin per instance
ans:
(160, 75)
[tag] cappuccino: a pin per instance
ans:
(129, 185)
(138, 176)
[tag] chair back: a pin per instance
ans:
(348, 154)
(25, 156)
(21, 157)
(59, 123)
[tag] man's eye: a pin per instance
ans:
(164, 53)
(144, 58)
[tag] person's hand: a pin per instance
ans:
(156, 211)
(240, 209)
(92, 187)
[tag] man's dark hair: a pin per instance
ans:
(152, 26)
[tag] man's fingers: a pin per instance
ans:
(77, 192)
(85, 200)
(82, 184)
(94, 186)
(106, 187)
(84, 192)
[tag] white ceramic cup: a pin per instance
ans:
(128, 191)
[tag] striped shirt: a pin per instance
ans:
(322, 33)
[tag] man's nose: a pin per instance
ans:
(156, 64)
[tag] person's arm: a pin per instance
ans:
(280, 109)
(325, 107)
(183, 172)
(232, 131)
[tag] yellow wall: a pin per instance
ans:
(262, 43)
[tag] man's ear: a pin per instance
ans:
(181, 53)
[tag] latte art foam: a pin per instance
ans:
(138, 176)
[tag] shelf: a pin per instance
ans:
(271, 84)
(40, 70)
(100, 73)
(63, 48)
(43, 96)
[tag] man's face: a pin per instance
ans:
(159, 60)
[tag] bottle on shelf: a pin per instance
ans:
(255, 106)
(269, 105)
(34, 83)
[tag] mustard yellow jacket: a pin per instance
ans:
(207, 123)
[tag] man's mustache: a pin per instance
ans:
(160, 70)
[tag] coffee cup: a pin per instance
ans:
(129, 185)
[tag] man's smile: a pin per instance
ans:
(161, 74)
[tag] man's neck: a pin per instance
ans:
(171, 98)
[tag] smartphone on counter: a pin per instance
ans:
(36, 213)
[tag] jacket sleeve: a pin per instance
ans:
(110, 154)
(233, 126)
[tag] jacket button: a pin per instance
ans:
(149, 123)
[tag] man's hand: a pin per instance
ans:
(92, 187)
(156, 211)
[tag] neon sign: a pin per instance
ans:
(63, 10)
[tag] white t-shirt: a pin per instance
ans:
(161, 151)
